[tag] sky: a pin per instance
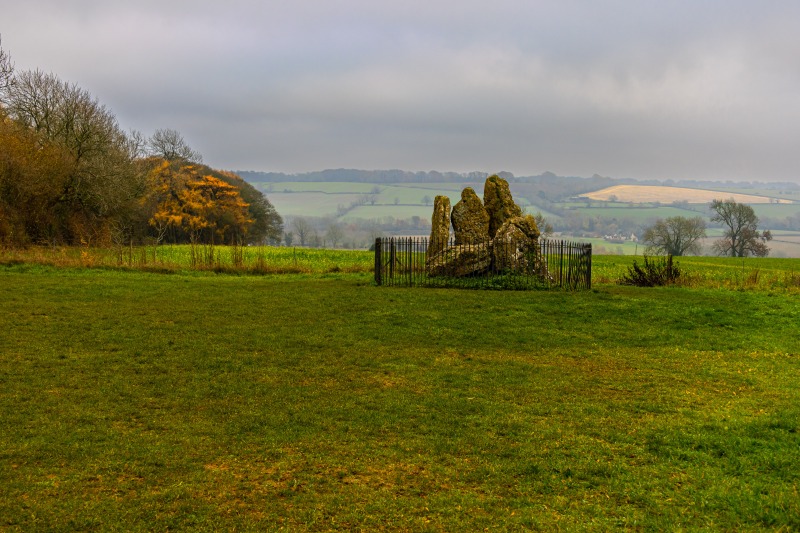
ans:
(644, 89)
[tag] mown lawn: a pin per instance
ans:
(146, 401)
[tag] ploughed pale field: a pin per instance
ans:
(654, 193)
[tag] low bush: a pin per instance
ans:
(654, 273)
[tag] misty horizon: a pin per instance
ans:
(681, 91)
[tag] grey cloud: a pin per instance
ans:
(639, 89)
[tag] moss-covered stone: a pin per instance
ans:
(489, 234)
(461, 261)
(440, 225)
(499, 203)
(470, 219)
(515, 245)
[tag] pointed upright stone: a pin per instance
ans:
(440, 225)
(470, 219)
(499, 203)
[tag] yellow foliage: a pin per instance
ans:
(204, 207)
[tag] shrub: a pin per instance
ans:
(654, 273)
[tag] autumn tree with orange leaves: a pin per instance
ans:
(196, 208)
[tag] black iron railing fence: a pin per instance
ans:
(501, 264)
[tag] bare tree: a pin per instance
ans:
(170, 145)
(335, 234)
(742, 237)
(136, 144)
(6, 71)
(100, 179)
(374, 194)
(302, 230)
(545, 228)
(315, 241)
(68, 116)
(675, 236)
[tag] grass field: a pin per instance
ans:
(779, 211)
(257, 260)
(724, 273)
(311, 204)
(703, 272)
(400, 200)
(644, 215)
(142, 401)
(382, 212)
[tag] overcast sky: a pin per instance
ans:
(642, 89)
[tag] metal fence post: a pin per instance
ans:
(378, 262)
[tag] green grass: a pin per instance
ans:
(325, 198)
(381, 212)
(327, 187)
(176, 258)
(753, 273)
(777, 211)
(639, 214)
(310, 204)
(414, 195)
(142, 401)
(706, 272)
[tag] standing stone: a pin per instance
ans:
(498, 203)
(461, 261)
(516, 244)
(440, 226)
(470, 219)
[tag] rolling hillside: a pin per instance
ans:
(584, 208)
(654, 193)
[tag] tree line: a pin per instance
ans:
(681, 236)
(70, 175)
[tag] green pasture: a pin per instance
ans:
(772, 193)
(382, 212)
(639, 214)
(326, 187)
(414, 196)
(730, 273)
(325, 198)
(310, 204)
(452, 189)
(778, 211)
(143, 401)
(258, 260)
(533, 209)
(608, 265)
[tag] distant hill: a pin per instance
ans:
(368, 176)
(546, 180)
(398, 202)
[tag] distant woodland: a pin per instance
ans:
(561, 186)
